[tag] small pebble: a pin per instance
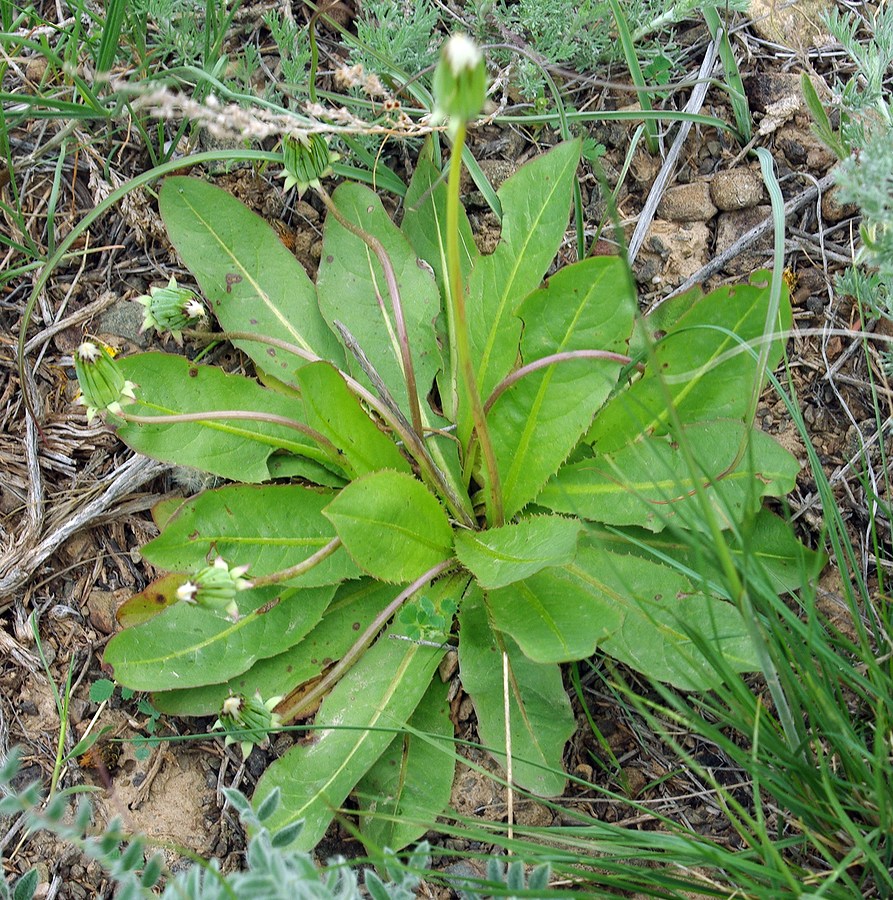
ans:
(736, 189)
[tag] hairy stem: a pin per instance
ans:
(564, 356)
(463, 348)
(299, 568)
(291, 706)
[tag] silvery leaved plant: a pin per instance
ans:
(440, 446)
(271, 870)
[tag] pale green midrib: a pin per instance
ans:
(265, 298)
(520, 455)
(194, 649)
(680, 483)
(703, 370)
(402, 530)
(364, 735)
(503, 300)
(547, 620)
(308, 450)
(319, 541)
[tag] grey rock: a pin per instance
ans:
(687, 203)
(731, 225)
(738, 188)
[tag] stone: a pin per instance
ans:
(738, 188)
(672, 252)
(797, 25)
(687, 203)
(803, 149)
(124, 318)
(833, 210)
(731, 225)
(102, 607)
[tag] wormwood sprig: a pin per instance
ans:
(503, 464)
(271, 869)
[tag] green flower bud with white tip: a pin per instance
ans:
(103, 386)
(253, 717)
(307, 159)
(215, 587)
(460, 82)
(171, 308)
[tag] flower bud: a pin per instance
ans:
(307, 159)
(460, 82)
(171, 308)
(215, 587)
(252, 720)
(103, 386)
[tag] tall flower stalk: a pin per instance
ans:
(460, 90)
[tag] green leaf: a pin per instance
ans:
(26, 886)
(354, 605)
(357, 721)
(186, 646)
(558, 615)
(664, 615)
(536, 423)
(821, 123)
(101, 690)
(700, 367)
(652, 328)
(409, 785)
(268, 528)
(541, 720)
(424, 224)
(287, 466)
(499, 556)
(391, 525)
(164, 509)
(648, 483)
(352, 290)
(237, 449)
(767, 541)
(251, 281)
(331, 409)
(148, 603)
(535, 203)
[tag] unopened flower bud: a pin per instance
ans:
(103, 386)
(307, 159)
(460, 82)
(171, 308)
(248, 721)
(215, 587)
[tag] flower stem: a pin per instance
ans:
(291, 706)
(330, 451)
(552, 359)
(463, 347)
(299, 568)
